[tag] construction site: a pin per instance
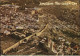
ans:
(37, 27)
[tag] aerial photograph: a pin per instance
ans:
(40, 27)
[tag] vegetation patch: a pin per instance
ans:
(71, 34)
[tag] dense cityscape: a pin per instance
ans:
(33, 27)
